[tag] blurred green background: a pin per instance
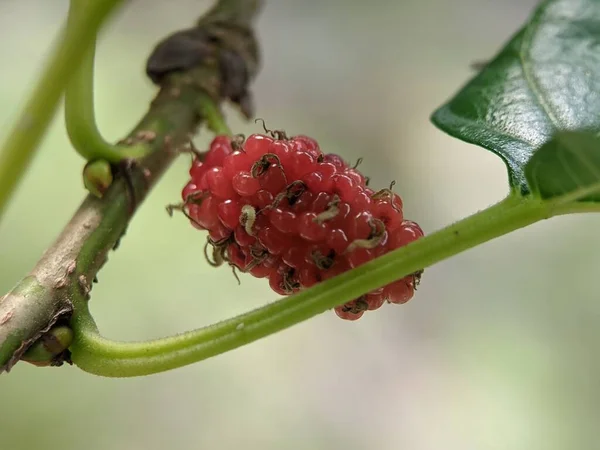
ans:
(496, 351)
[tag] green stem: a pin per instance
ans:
(80, 117)
(100, 356)
(19, 148)
(214, 118)
(576, 207)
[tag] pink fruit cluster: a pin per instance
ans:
(279, 208)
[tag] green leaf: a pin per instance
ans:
(545, 80)
(567, 168)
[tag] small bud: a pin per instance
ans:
(97, 177)
(51, 349)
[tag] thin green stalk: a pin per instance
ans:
(576, 207)
(214, 118)
(19, 148)
(80, 116)
(95, 354)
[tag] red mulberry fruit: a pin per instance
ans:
(278, 208)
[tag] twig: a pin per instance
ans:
(64, 274)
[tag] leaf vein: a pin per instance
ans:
(536, 89)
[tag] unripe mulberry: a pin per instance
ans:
(278, 208)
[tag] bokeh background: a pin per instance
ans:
(498, 350)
